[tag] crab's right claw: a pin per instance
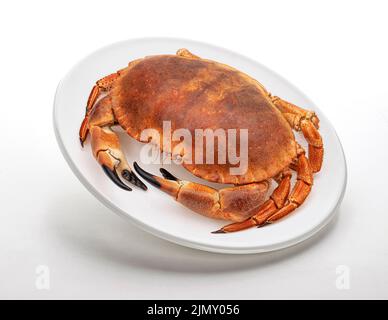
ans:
(127, 174)
(112, 174)
(107, 151)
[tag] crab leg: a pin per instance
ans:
(300, 191)
(106, 145)
(267, 209)
(232, 203)
(101, 86)
(314, 140)
(293, 113)
(294, 164)
(274, 209)
(307, 122)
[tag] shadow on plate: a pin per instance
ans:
(85, 226)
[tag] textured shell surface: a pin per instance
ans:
(204, 94)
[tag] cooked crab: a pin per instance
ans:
(192, 93)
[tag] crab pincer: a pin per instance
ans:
(112, 174)
(207, 201)
(107, 151)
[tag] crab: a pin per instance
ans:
(192, 92)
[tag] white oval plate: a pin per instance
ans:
(156, 212)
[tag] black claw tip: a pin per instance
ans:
(218, 231)
(112, 174)
(131, 177)
(168, 175)
(82, 143)
(146, 176)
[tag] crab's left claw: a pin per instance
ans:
(168, 175)
(170, 185)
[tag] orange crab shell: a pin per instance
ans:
(202, 94)
(193, 93)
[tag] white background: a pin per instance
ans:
(335, 51)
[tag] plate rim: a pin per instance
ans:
(177, 239)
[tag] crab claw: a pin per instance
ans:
(112, 174)
(146, 175)
(169, 185)
(219, 204)
(107, 151)
(168, 175)
(131, 177)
